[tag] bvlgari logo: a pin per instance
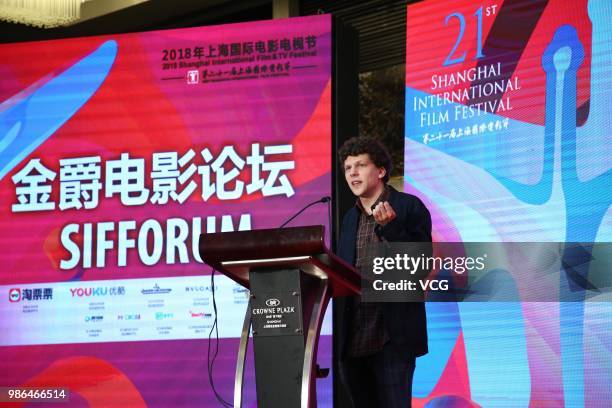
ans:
(272, 302)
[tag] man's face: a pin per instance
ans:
(362, 175)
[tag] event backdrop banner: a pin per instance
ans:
(116, 152)
(508, 138)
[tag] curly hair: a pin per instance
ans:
(367, 145)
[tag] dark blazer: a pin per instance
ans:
(406, 323)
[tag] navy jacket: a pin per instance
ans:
(406, 323)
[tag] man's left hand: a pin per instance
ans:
(383, 213)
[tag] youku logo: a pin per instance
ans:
(99, 291)
(156, 291)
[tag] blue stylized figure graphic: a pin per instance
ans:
(32, 116)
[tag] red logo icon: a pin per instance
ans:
(193, 77)
(14, 295)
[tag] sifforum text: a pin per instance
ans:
(174, 240)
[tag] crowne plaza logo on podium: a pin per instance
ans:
(272, 302)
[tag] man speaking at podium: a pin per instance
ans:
(379, 342)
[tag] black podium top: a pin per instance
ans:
(235, 253)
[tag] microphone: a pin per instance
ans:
(325, 199)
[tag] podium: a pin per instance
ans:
(291, 276)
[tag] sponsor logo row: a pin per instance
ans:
(133, 317)
(46, 293)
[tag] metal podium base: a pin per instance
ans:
(285, 351)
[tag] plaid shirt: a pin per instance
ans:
(368, 333)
